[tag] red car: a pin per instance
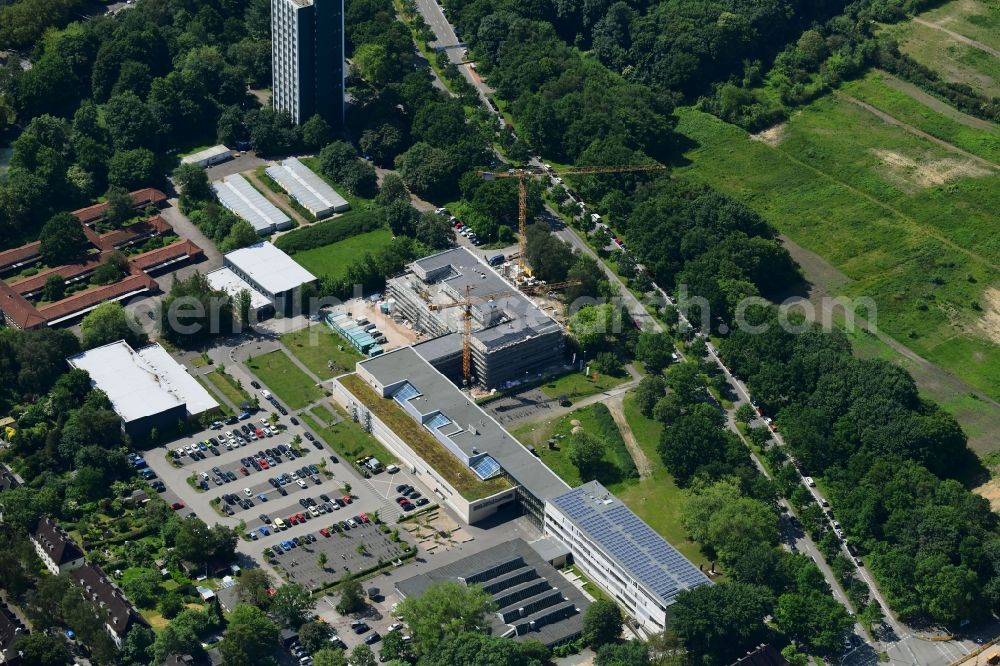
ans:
(294, 520)
(177, 506)
(401, 501)
(244, 472)
(458, 224)
(364, 518)
(301, 517)
(263, 464)
(325, 532)
(347, 499)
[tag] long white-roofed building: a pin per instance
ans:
(147, 387)
(236, 194)
(306, 187)
(621, 553)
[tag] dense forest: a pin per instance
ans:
(890, 461)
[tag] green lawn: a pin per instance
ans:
(657, 500)
(332, 260)
(348, 439)
(976, 19)
(952, 59)
(227, 386)
(557, 459)
(874, 90)
(287, 381)
(577, 385)
(317, 345)
(924, 253)
(324, 413)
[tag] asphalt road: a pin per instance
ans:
(448, 41)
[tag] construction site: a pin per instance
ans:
(484, 331)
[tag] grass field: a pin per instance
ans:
(317, 345)
(331, 261)
(874, 90)
(227, 386)
(557, 459)
(909, 224)
(577, 385)
(657, 500)
(951, 58)
(288, 382)
(348, 439)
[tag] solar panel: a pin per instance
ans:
(640, 551)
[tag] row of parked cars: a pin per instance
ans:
(270, 398)
(281, 524)
(409, 497)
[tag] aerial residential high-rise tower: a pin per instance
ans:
(307, 51)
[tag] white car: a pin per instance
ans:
(809, 481)
(302, 484)
(395, 626)
(248, 492)
(391, 469)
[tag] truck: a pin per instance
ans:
(496, 260)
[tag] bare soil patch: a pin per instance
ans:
(989, 323)
(991, 491)
(772, 136)
(927, 173)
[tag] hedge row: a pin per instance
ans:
(331, 231)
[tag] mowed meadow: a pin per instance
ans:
(955, 40)
(911, 222)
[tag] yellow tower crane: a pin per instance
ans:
(466, 305)
(524, 174)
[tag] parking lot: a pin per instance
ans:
(347, 549)
(369, 496)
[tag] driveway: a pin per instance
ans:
(246, 162)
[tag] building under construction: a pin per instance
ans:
(512, 340)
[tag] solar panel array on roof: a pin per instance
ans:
(240, 197)
(307, 188)
(640, 551)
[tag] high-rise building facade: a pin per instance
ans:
(307, 51)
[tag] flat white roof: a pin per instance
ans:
(307, 188)
(231, 283)
(144, 382)
(205, 154)
(269, 267)
(239, 196)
